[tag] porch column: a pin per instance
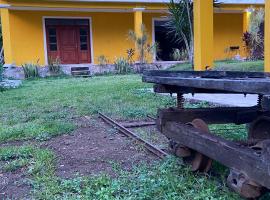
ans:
(138, 21)
(246, 20)
(5, 20)
(267, 37)
(203, 34)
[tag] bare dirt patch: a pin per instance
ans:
(13, 185)
(92, 149)
(96, 148)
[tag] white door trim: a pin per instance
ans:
(66, 17)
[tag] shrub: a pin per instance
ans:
(55, 66)
(179, 55)
(102, 60)
(122, 65)
(143, 49)
(1, 72)
(30, 70)
(254, 37)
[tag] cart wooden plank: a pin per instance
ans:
(219, 82)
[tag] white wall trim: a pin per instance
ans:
(67, 17)
(154, 35)
(110, 10)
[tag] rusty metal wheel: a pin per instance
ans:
(260, 129)
(198, 161)
(241, 184)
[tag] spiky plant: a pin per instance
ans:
(180, 24)
(141, 43)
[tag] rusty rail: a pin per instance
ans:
(158, 152)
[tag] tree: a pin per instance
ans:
(254, 37)
(141, 42)
(180, 24)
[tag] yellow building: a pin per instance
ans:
(79, 31)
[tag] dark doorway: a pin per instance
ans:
(68, 40)
(167, 44)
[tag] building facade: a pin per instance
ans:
(80, 31)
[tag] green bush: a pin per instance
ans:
(179, 55)
(1, 72)
(30, 70)
(55, 66)
(102, 60)
(122, 65)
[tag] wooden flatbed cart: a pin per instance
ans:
(189, 135)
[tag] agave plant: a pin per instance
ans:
(180, 24)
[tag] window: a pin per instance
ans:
(67, 22)
(83, 39)
(52, 39)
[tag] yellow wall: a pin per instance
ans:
(109, 34)
(228, 31)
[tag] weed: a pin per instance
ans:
(55, 66)
(30, 70)
(102, 61)
(122, 65)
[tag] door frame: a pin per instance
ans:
(155, 19)
(67, 17)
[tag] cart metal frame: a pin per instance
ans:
(190, 138)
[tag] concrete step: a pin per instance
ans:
(83, 76)
(81, 73)
(79, 69)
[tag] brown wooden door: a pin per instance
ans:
(69, 43)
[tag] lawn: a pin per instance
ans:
(229, 65)
(45, 108)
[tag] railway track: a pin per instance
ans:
(151, 148)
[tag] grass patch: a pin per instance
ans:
(47, 107)
(164, 180)
(228, 65)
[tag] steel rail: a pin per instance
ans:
(156, 151)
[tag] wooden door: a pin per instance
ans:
(71, 44)
(68, 42)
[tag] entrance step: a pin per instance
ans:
(80, 72)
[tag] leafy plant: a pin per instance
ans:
(130, 55)
(1, 72)
(102, 60)
(122, 65)
(179, 55)
(30, 70)
(55, 65)
(254, 37)
(141, 42)
(180, 24)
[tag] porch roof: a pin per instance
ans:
(167, 1)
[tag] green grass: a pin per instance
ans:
(45, 108)
(228, 65)
(164, 180)
(48, 107)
